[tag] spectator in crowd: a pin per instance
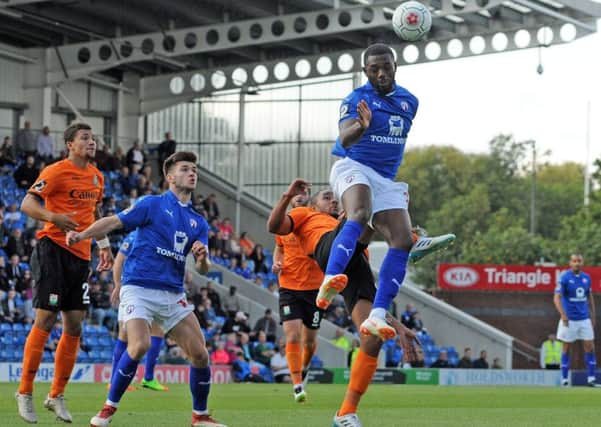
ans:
(341, 340)
(14, 270)
(481, 363)
(104, 159)
(245, 345)
(214, 236)
(394, 354)
(267, 325)
(55, 336)
(215, 298)
(244, 270)
(466, 361)
(231, 345)
(16, 245)
(45, 145)
(27, 173)
(259, 259)
(339, 317)
(4, 231)
(210, 205)
(407, 316)
(279, 364)
(272, 287)
(166, 148)
(550, 353)
(442, 361)
(126, 182)
(119, 158)
(12, 215)
(197, 201)
(24, 288)
(418, 324)
(26, 141)
(174, 355)
(220, 356)
(237, 324)
(109, 206)
(135, 158)
(263, 350)
(231, 302)
(226, 230)
(100, 302)
(419, 361)
(232, 247)
(12, 307)
(496, 363)
(242, 371)
(259, 282)
(352, 355)
(7, 153)
(246, 244)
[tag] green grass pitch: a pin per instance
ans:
(266, 405)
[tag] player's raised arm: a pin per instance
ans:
(32, 207)
(279, 222)
(97, 230)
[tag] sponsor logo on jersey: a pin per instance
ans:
(83, 195)
(39, 186)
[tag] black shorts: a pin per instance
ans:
(300, 305)
(61, 278)
(361, 283)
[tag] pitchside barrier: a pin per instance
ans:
(221, 374)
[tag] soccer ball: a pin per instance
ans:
(411, 21)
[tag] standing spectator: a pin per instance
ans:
(340, 340)
(246, 244)
(135, 158)
(442, 361)
(258, 257)
(210, 205)
(26, 141)
(7, 153)
(45, 145)
(231, 302)
(481, 363)
(466, 360)
(279, 364)
(267, 325)
(496, 363)
(27, 173)
(165, 149)
(550, 353)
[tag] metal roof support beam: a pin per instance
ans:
(557, 15)
(84, 58)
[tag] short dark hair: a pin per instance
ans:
(377, 49)
(180, 156)
(71, 131)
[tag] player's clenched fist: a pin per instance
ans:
(199, 250)
(276, 267)
(72, 238)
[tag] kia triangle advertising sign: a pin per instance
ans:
(488, 277)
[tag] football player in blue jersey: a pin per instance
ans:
(156, 333)
(574, 301)
(153, 277)
(375, 120)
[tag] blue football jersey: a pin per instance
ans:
(166, 231)
(128, 243)
(574, 290)
(382, 145)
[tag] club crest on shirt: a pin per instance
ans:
(404, 106)
(95, 181)
(193, 223)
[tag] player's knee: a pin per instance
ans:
(73, 330)
(293, 337)
(138, 349)
(199, 357)
(46, 321)
(360, 215)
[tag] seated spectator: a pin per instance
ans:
(263, 350)
(100, 302)
(16, 244)
(109, 206)
(341, 341)
(232, 247)
(104, 159)
(245, 346)
(394, 354)
(246, 244)
(496, 363)
(27, 173)
(24, 288)
(7, 154)
(220, 356)
(197, 204)
(12, 307)
(418, 324)
(442, 361)
(339, 317)
(237, 324)
(267, 325)
(466, 361)
(231, 302)
(259, 259)
(244, 270)
(14, 270)
(4, 231)
(12, 215)
(174, 355)
(279, 364)
(419, 361)
(407, 316)
(214, 234)
(215, 298)
(126, 180)
(242, 371)
(259, 282)
(55, 336)
(231, 345)
(481, 363)
(273, 287)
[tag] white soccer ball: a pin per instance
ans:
(411, 21)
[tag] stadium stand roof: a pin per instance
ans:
(188, 48)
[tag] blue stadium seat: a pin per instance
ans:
(27, 327)
(6, 327)
(106, 356)
(92, 341)
(90, 330)
(5, 356)
(18, 327)
(105, 341)
(94, 356)
(47, 357)
(453, 360)
(18, 355)
(82, 357)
